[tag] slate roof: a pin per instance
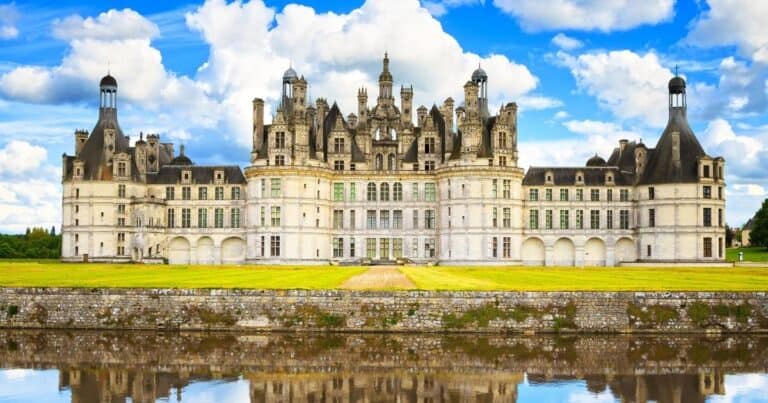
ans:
(660, 167)
(171, 175)
(92, 153)
(566, 176)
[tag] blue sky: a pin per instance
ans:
(585, 73)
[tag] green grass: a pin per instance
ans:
(588, 279)
(752, 254)
(54, 274)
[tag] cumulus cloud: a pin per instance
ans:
(740, 91)
(743, 153)
(108, 26)
(8, 17)
(587, 15)
(566, 42)
(19, 157)
(630, 85)
(740, 23)
(438, 8)
(749, 189)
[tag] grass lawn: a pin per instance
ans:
(54, 274)
(753, 254)
(588, 279)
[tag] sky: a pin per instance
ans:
(585, 73)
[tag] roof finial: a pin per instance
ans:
(181, 150)
(109, 67)
(675, 70)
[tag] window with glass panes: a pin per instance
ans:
(186, 193)
(219, 193)
(506, 219)
(338, 192)
(384, 192)
(429, 219)
(548, 219)
(707, 217)
(186, 218)
(371, 191)
(384, 248)
(580, 219)
(415, 219)
(415, 191)
(218, 219)
(533, 219)
(234, 218)
(495, 217)
(609, 195)
(594, 195)
(429, 191)
(169, 193)
(707, 192)
(262, 216)
(506, 188)
(397, 191)
(397, 219)
(533, 194)
(384, 219)
(338, 165)
(236, 193)
(121, 190)
(338, 247)
(651, 217)
(624, 219)
(397, 247)
(563, 219)
(623, 195)
(495, 188)
(338, 219)
(202, 193)
(171, 220)
(609, 219)
(548, 194)
(352, 191)
(507, 247)
(352, 247)
(202, 218)
(275, 187)
(275, 216)
(563, 194)
(594, 219)
(338, 145)
(707, 247)
(370, 248)
(370, 217)
(274, 245)
(579, 194)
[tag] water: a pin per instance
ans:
(90, 366)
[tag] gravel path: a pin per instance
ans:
(379, 278)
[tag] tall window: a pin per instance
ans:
(235, 218)
(186, 218)
(186, 193)
(236, 193)
(338, 191)
(384, 219)
(594, 219)
(370, 248)
(495, 247)
(429, 145)
(415, 191)
(274, 245)
(609, 219)
(397, 191)
(533, 194)
(280, 140)
(707, 247)
(338, 145)
(719, 217)
(121, 169)
(371, 191)
(506, 250)
(415, 219)
(533, 219)
(218, 219)
(379, 162)
(563, 194)
(651, 193)
(262, 216)
(351, 247)
(370, 219)
(580, 219)
(169, 193)
(564, 219)
(506, 220)
(275, 187)
(624, 195)
(384, 192)
(391, 162)
(429, 219)
(495, 188)
(579, 194)
(352, 192)
(707, 192)
(624, 219)
(202, 218)
(352, 223)
(502, 140)
(202, 193)
(651, 217)
(274, 216)
(507, 189)
(397, 247)
(397, 219)
(707, 217)
(548, 219)
(171, 221)
(219, 193)
(502, 161)
(594, 194)
(338, 247)
(609, 194)
(429, 191)
(495, 217)
(120, 191)
(548, 195)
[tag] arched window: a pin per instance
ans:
(371, 191)
(391, 162)
(384, 192)
(379, 162)
(397, 191)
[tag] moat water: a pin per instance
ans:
(92, 366)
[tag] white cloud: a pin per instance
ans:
(560, 115)
(587, 15)
(565, 42)
(8, 17)
(742, 388)
(734, 22)
(19, 157)
(630, 85)
(741, 91)
(438, 8)
(749, 189)
(108, 26)
(743, 154)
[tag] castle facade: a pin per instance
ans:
(380, 186)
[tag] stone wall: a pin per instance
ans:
(412, 311)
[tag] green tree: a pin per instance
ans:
(728, 236)
(759, 234)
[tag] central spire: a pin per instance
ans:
(385, 80)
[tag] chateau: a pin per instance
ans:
(380, 186)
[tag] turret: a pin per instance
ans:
(352, 120)
(287, 96)
(258, 123)
(385, 83)
(471, 99)
(362, 106)
(107, 96)
(480, 78)
(299, 96)
(421, 114)
(406, 103)
(80, 138)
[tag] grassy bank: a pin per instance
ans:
(752, 254)
(50, 274)
(589, 279)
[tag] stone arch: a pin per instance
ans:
(178, 251)
(233, 251)
(391, 162)
(205, 250)
(564, 252)
(379, 162)
(594, 252)
(533, 252)
(625, 250)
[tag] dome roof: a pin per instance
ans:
(479, 75)
(181, 159)
(290, 74)
(108, 81)
(676, 85)
(596, 161)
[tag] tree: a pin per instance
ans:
(759, 234)
(728, 236)
(53, 230)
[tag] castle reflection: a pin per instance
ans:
(98, 367)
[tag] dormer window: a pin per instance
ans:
(706, 171)
(549, 175)
(579, 178)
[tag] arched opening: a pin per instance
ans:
(533, 252)
(379, 162)
(564, 252)
(178, 251)
(391, 162)
(594, 252)
(625, 250)
(205, 250)
(233, 251)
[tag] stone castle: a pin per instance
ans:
(377, 186)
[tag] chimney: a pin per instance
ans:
(352, 120)
(81, 136)
(447, 112)
(258, 122)
(421, 114)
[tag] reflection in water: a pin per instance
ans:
(144, 367)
